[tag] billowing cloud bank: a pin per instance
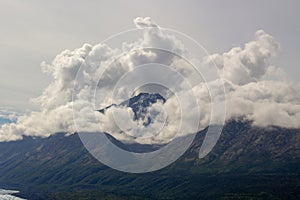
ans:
(255, 90)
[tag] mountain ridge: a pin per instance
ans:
(248, 162)
(244, 154)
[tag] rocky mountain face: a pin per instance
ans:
(247, 163)
(140, 105)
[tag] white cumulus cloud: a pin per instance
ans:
(255, 89)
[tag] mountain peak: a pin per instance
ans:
(140, 105)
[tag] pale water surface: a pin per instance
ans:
(8, 195)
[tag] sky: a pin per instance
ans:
(36, 31)
(238, 78)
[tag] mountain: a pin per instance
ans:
(4, 121)
(139, 105)
(247, 163)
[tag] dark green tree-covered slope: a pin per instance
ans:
(247, 163)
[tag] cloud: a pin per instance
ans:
(255, 90)
(9, 113)
(266, 103)
(144, 22)
(249, 64)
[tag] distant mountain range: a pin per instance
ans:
(4, 121)
(247, 163)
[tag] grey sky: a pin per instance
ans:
(34, 31)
